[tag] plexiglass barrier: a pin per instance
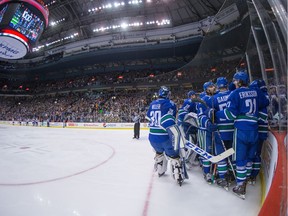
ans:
(252, 41)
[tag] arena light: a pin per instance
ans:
(115, 5)
(50, 3)
(134, 25)
(106, 6)
(54, 23)
(124, 25)
(72, 36)
(135, 2)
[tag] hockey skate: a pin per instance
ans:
(240, 191)
(223, 183)
(208, 178)
(230, 177)
(251, 180)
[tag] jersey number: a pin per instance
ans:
(224, 105)
(251, 103)
(155, 118)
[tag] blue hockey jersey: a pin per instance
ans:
(243, 107)
(187, 107)
(225, 126)
(161, 115)
(201, 108)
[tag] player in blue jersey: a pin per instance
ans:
(187, 107)
(263, 132)
(223, 139)
(187, 120)
(243, 108)
(164, 134)
(206, 130)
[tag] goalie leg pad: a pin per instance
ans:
(160, 164)
(177, 137)
(177, 170)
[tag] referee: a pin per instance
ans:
(136, 121)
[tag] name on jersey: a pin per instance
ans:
(156, 106)
(222, 99)
(248, 94)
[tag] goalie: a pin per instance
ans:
(165, 136)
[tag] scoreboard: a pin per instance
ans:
(21, 25)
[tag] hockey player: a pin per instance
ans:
(206, 130)
(243, 108)
(187, 107)
(263, 132)
(164, 135)
(187, 120)
(225, 128)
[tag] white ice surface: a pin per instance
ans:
(79, 172)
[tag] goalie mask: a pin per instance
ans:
(164, 92)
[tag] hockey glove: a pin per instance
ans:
(211, 127)
(210, 113)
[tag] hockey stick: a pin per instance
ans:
(213, 167)
(182, 154)
(229, 161)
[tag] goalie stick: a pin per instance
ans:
(202, 152)
(206, 155)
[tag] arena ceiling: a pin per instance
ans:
(83, 16)
(68, 17)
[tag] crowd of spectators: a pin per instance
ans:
(192, 74)
(106, 106)
(76, 100)
(86, 106)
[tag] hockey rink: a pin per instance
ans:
(89, 172)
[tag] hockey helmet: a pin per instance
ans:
(262, 85)
(221, 82)
(207, 84)
(164, 92)
(190, 93)
(254, 84)
(241, 76)
(259, 84)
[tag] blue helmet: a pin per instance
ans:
(190, 93)
(207, 84)
(231, 86)
(221, 82)
(262, 85)
(259, 84)
(164, 92)
(254, 84)
(241, 76)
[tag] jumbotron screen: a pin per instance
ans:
(21, 25)
(26, 22)
(2, 12)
